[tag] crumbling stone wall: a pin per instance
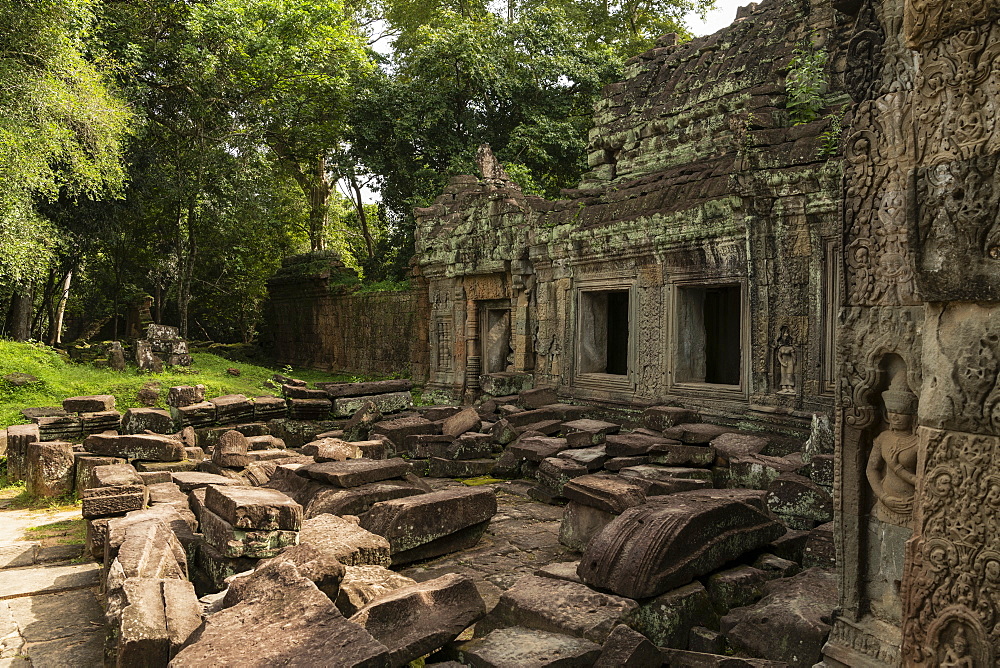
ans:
(316, 319)
(700, 188)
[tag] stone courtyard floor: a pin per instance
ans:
(49, 611)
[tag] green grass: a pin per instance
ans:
(60, 378)
(68, 532)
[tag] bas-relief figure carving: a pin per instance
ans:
(785, 354)
(892, 465)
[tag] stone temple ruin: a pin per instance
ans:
(746, 373)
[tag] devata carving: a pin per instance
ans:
(864, 54)
(952, 589)
(785, 355)
(892, 465)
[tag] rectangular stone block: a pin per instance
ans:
(193, 415)
(309, 409)
(232, 542)
(148, 447)
(355, 472)
(111, 501)
(60, 428)
(459, 468)
(337, 390)
(254, 508)
(269, 408)
(18, 438)
(232, 408)
(89, 404)
(397, 430)
(94, 423)
(138, 420)
(185, 395)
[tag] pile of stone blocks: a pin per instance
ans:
(252, 522)
(162, 345)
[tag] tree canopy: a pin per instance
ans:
(182, 149)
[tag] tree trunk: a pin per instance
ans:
(362, 217)
(19, 319)
(319, 196)
(57, 326)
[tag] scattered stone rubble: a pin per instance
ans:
(230, 530)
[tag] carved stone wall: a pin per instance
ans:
(700, 188)
(921, 278)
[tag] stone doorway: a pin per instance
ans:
(494, 335)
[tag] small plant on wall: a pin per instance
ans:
(806, 83)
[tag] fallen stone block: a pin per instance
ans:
(60, 428)
(295, 625)
(659, 418)
(365, 583)
(140, 420)
(821, 471)
(113, 501)
(89, 404)
(19, 436)
(580, 523)
(819, 550)
(302, 392)
(397, 430)
(459, 468)
(471, 445)
(147, 548)
(320, 498)
(775, 567)
(232, 542)
(792, 621)
(264, 442)
(735, 587)
(429, 525)
(415, 620)
(231, 450)
(758, 471)
(797, 496)
(170, 467)
(626, 647)
(355, 472)
(551, 412)
(309, 409)
(232, 408)
(528, 648)
(269, 408)
(259, 456)
(254, 508)
(318, 567)
(392, 402)
(84, 474)
(682, 455)
(656, 547)
(665, 473)
(611, 494)
(558, 606)
(193, 415)
(563, 570)
(634, 444)
(537, 448)
(345, 541)
(185, 395)
(537, 397)
(592, 458)
(156, 618)
(190, 480)
(701, 433)
(95, 423)
(733, 444)
(463, 421)
(213, 570)
(331, 450)
(555, 472)
(147, 447)
(584, 433)
(504, 383)
(49, 468)
(667, 619)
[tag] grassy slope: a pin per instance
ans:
(62, 379)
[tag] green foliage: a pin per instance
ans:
(61, 125)
(61, 378)
(385, 286)
(806, 83)
(830, 138)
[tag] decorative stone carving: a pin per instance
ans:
(952, 588)
(929, 20)
(959, 93)
(892, 465)
(787, 362)
(864, 54)
(958, 227)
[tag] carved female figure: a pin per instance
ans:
(892, 464)
(786, 361)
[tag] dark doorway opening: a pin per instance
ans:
(604, 332)
(722, 335)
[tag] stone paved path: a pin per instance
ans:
(49, 612)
